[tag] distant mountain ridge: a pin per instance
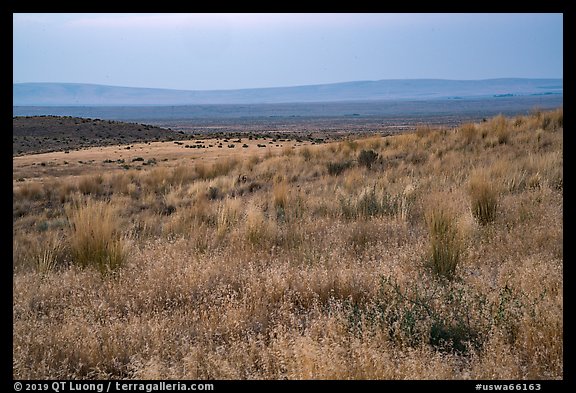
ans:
(78, 94)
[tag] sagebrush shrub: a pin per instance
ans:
(336, 168)
(367, 158)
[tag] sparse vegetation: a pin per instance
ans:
(36, 134)
(435, 254)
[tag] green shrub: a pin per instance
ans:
(368, 204)
(424, 312)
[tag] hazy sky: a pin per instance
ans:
(230, 51)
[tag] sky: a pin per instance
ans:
(235, 51)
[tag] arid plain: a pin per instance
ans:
(435, 253)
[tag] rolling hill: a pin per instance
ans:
(73, 94)
(41, 134)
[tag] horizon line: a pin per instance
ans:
(283, 87)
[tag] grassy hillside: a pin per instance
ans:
(436, 254)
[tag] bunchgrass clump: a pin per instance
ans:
(40, 254)
(484, 199)
(95, 239)
(469, 132)
(499, 126)
(48, 255)
(445, 244)
(90, 184)
(280, 195)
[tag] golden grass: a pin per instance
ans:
(258, 265)
(484, 198)
(95, 240)
(445, 247)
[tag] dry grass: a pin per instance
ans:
(484, 198)
(95, 240)
(445, 248)
(274, 266)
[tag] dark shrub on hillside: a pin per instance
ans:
(336, 168)
(367, 158)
